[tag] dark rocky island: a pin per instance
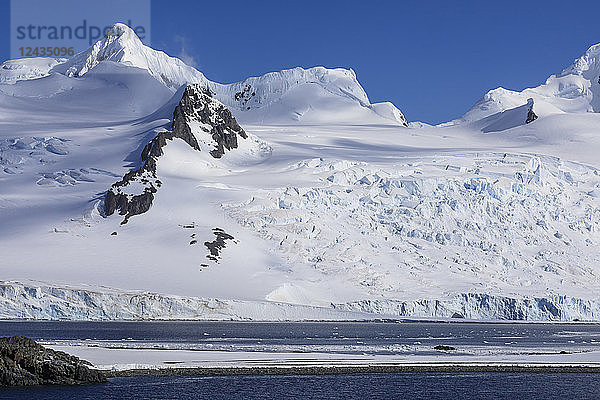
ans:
(443, 347)
(23, 362)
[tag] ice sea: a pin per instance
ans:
(338, 337)
(341, 338)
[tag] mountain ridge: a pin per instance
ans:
(575, 89)
(121, 45)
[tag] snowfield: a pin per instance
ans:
(336, 208)
(123, 359)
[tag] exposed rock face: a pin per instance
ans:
(23, 362)
(530, 117)
(218, 244)
(202, 122)
(245, 95)
(198, 105)
(530, 114)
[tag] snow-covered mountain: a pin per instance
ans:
(287, 196)
(574, 90)
(121, 45)
(202, 122)
(305, 96)
(294, 95)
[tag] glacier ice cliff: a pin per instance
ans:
(35, 300)
(481, 306)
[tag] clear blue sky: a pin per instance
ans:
(432, 59)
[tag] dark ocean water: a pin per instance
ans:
(334, 336)
(468, 386)
(263, 335)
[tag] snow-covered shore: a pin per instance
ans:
(121, 359)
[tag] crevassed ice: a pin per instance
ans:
(505, 223)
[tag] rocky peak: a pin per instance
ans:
(199, 111)
(121, 45)
(201, 121)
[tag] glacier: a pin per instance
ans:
(337, 208)
(38, 301)
(480, 306)
(32, 300)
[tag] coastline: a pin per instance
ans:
(358, 369)
(244, 349)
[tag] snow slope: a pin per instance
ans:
(507, 119)
(293, 95)
(326, 209)
(27, 68)
(305, 96)
(574, 90)
(122, 45)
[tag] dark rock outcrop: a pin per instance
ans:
(443, 347)
(218, 244)
(245, 95)
(531, 116)
(23, 362)
(196, 105)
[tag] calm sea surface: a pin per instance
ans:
(377, 337)
(340, 337)
(468, 386)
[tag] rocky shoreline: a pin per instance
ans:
(23, 362)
